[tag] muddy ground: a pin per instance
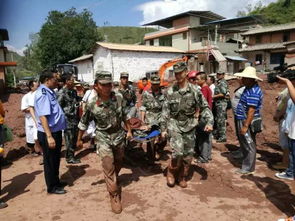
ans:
(215, 192)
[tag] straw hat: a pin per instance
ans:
(248, 72)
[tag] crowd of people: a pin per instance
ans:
(191, 114)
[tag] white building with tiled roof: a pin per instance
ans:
(117, 58)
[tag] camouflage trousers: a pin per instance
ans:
(111, 150)
(182, 144)
(220, 119)
(70, 136)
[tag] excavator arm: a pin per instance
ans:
(166, 65)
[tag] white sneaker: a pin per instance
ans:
(283, 175)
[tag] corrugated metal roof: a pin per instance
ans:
(167, 22)
(263, 47)
(83, 57)
(257, 18)
(129, 47)
(217, 55)
(272, 28)
(236, 58)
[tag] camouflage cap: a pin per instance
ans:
(104, 77)
(116, 83)
(179, 67)
(124, 75)
(155, 79)
(86, 85)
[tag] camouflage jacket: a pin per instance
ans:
(69, 102)
(183, 109)
(152, 105)
(129, 96)
(108, 117)
(221, 88)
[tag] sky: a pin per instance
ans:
(23, 17)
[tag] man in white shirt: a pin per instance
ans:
(27, 106)
(89, 95)
(211, 83)
(289, 129)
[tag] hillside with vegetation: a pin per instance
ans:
(124, 34)
(279, 12)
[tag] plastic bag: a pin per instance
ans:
(7, 134)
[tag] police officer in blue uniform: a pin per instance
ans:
(51, 122)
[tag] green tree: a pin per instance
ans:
(65, 36)
(279, 12)
(30, 61)
(124, 34)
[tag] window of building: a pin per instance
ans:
(258, 39)
(184, 35)
(165, 41)
(152, 42)
(286, 36)
(277, 58)
(258, 59)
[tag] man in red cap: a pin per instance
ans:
(204, 139)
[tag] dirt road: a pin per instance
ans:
(215, 192)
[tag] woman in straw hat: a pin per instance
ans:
(248, 118)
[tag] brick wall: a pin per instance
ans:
(276, 37)
(181, 22)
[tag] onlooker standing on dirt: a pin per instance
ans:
(192, 78)
(51, 122)
(248, 118)
(181, 111)
(211, 83)
(27, 106)
(204, 139)
(107, 111)
(69, 101)
(280, 116)
(234, 103)
(2, 115)
(88, 96)
(221, 94)
(289, 128)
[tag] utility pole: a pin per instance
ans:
(13, 71)
(215, 42)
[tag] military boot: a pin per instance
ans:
(181, 177)
(116, 203)
(172, 169)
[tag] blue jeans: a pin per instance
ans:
(291, 167)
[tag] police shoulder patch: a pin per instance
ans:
(43, 91)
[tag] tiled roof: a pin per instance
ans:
(130, 47)
(166, 32)
(263, 47)
(272, 28)
(83, 57)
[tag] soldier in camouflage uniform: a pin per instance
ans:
(220, 98)
(106, 109)
(184, 106)
(69, 101)
(129, 95)
(151, 111)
